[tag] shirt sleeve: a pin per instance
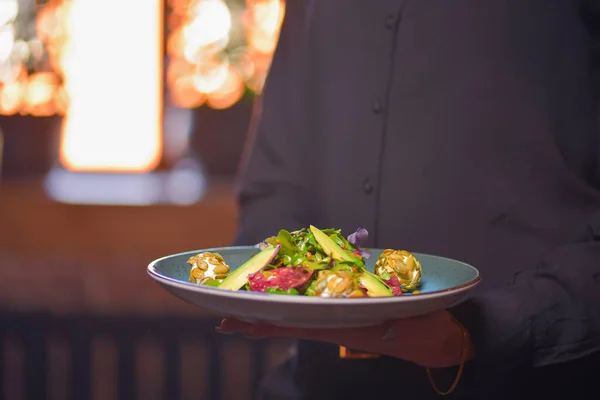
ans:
(550, 314)
(273, 191)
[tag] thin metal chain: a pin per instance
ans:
(463, 359)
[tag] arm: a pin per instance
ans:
(551, 313)
(273, 187)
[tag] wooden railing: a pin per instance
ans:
(30, 375)
(102, 329)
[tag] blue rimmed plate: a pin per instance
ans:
(443, 282)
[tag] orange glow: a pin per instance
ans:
(229, 93)
(48, 23)
(61, 100)
(185, 93)
(263, 19)
(204, 47)
(211, 75)
(176, 42)
(200, 40)
(11, 98)
(21, 92)
(111, 60)
(40, 92)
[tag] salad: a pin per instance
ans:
(313, 262)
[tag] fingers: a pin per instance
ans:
(421, 329)
(422, 339)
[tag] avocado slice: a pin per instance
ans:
(331, 248)
(374, 286)
(239, 277)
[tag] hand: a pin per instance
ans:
(433, 340)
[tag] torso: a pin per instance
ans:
(464, 128)
(466, 119)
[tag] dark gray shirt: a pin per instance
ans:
(463, 128)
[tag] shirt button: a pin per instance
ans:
(390, 21)
(367, 186)
(377, 106)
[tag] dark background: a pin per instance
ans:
(79, 317)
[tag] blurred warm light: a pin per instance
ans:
(7, 38)
(209, 27)
(185, 92)
(105, 77)
(205, 43)
(263, 19)
(47, 22)
(61, 100)
(230, 91)
(21, 92)
(211, 75)
(11, 97)
(200, 50)
(40, 93)
(8, 11)
(112, 76)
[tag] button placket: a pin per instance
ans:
(377, 107)
(368, 186)
(381, 98)
(390, 21)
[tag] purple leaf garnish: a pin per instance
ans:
(357, 238)
(365, 254)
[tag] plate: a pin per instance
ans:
(444, 281)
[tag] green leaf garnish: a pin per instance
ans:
(290, 291)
